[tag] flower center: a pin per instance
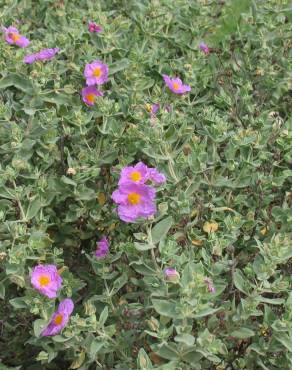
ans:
(44, 280)
(135, 176)
(175, 85)
(134, 198)
(58, 319)
(97, 72)
(14, 36)
(90, 98)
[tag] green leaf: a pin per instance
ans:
(187, 339)
(33, 208)
(18, 303)
(160, 230)
(2, 291)
(242, 333)
(118, 66)
(143, 247)
(103, 316)
(206, 312)
(38, 326)
(119, 283)
(18, 81)
(95, 347)
(168, 351)
(143, 360)
(240, 281)
(167, 308)
(284, 339)
(68, 181)
(276, 301)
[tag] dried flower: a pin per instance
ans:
(71, 171)
(210, 227)
(210, 285)
(59, 319)
(171, 274)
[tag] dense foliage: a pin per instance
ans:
(224, 213)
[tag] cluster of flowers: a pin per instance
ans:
(134, 197)
(13, 37)
(96, 72)
(47, 280)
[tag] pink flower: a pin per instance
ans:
(156, 176)
(45, 54)
(210, 285)
(135, 201)
(134, 174)
(154, 108)
(13, 37)
(89, 94)
(171, 274)
(96, 73)
(102, 248)
(204, 48)
(93, 27)
(176, 85)
(46, 279)
(59, 319)
(140, 174)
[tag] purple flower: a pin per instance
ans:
(135, 174)
(46, 279)
(13, 37)
(96, 73)
(134, 200)
(171, 274)
(102, 248)
(29, 59)
(93, 27)
(140, 174)
(59, 319)
(45, 54)
(204, 48)
(89, 94)
(154, 108)
(210, 285)
(156, 176)
(176, 85)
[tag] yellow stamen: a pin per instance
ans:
(135, 176)
(175, 85)
(90, 98)
(134, 198)
(44, 280)
(14, 36)
(97, 72)
(58, 319)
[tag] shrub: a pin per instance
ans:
(204, 282)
